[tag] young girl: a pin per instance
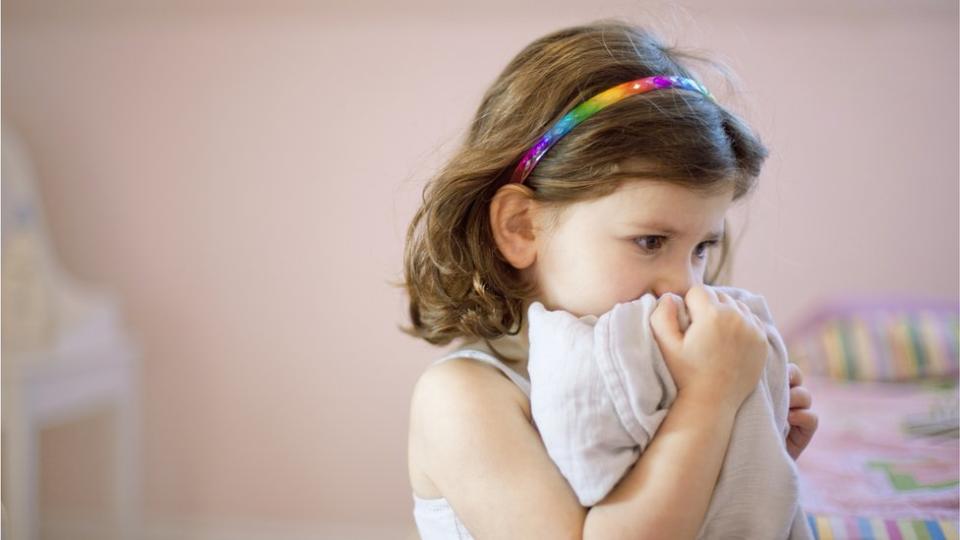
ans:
(624, 196)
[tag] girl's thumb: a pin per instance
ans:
(666, 327)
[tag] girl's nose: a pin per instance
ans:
(678, 280)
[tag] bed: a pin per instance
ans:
(884, 461)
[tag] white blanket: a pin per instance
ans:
(600, 389)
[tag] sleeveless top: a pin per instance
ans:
(435, 518)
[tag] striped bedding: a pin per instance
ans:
(878, 341)
(885, 462)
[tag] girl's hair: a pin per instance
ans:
(458, 283)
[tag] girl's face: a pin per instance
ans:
(647, 236)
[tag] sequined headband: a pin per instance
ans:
(592, 106)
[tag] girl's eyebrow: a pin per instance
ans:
(667, 230)
(715, 236)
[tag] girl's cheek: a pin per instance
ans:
(631, 289)
(610, 291)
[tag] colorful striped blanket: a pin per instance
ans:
(884, 461)
(874, 340)
(883, 374)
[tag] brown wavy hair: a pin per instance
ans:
(458, 284)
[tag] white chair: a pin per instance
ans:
(65, 356)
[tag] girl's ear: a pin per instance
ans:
(513, 221)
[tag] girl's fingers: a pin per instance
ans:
(663, 321)
(800, 398)
(744, 310)
(796, 376)
(698, 298)
(747, 312)
(725, 298)
(709, 292)
(803, 422)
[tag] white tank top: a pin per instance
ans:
(435, 517)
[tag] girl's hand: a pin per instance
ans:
(722, 353)
(803, 421)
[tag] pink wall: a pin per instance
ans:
(244, 180)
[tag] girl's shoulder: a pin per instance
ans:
(456, 392)
(468, 378)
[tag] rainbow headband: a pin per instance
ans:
(592, 106)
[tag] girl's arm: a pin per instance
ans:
(487, 459)
(469, 431)
(670, 487)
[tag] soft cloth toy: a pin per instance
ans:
(600, 389)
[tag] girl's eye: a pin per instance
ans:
(651, 244)
(701, 253)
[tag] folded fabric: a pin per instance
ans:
(600, 389)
